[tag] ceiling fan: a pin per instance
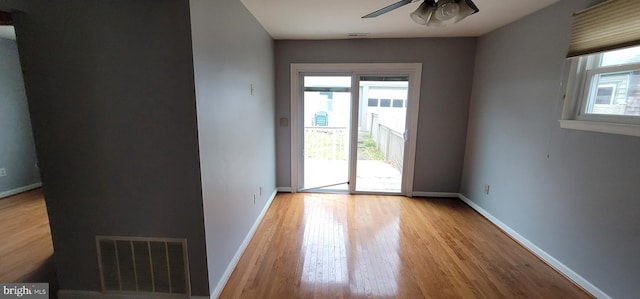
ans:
(433, 12)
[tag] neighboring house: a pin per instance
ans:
(386, 99)
(612, 92)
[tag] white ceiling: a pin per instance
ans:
(336, 19)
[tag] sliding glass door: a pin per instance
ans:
(326, 130)
(382, 115)
(351, 128)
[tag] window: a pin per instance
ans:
(611, 84)
(603, 91)
(604, 95)
(385, 103)
(398, 103)
(373, 103)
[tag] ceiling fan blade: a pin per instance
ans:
(389, 8)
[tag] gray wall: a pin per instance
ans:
(17, 150)
(236, 129)
(580, 204)
(447, 70)
(111, 93)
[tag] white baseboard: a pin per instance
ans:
(73, 294)
(435, 194)
(547, 258)
(20, 190)
(550, 260)
(284, 189)
(236, 258)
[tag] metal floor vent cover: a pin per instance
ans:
(143, 265)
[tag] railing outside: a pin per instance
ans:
(331, 143)
(326, 143)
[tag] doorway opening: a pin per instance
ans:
(382, 118)
(354, 127)
(22, 206)
(326, 122)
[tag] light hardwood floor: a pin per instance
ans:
(346, 246)
(26, 250)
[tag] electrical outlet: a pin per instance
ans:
(487, 187)
(3, 172)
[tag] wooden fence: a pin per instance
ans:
(388, 141)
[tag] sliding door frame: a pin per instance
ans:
(412, 70)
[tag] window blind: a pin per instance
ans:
(610, 25)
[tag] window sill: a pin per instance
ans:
(602, 127)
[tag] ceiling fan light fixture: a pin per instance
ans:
(423, 13)
(467, 8)
(447, 10)
(433, 12)
(452, 11)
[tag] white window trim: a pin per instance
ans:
(576, 98)
(601, 127)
